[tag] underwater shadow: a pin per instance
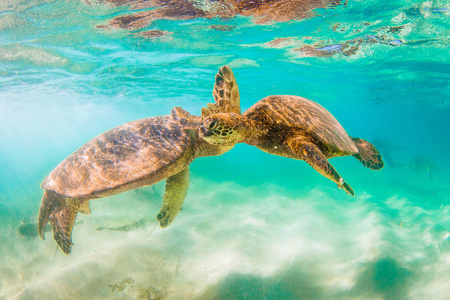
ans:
(383, 279)
(293, 285)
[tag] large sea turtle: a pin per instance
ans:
(130, 156)
(293, 127)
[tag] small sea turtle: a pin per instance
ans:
(130, 156)
(293, 127)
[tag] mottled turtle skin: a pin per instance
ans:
(133, 155)
(292, 127)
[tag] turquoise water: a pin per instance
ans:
(253, 225)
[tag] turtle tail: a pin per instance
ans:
(367, 154)
(61, 212)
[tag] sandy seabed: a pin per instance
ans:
(236, 242)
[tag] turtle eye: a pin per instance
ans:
(212, 125)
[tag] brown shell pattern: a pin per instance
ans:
(142, 150)
(305, 116)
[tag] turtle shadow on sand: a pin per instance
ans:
(291, 284)
(30, 229)
(384, 278)
(129, 226)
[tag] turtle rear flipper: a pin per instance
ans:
(50, 200)
(368, 155)
(61, 212)
(62, 220)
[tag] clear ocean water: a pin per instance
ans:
(253, 225)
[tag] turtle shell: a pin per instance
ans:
(306, 117)
(131, 155)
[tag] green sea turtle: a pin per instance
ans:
(130, 156)
(293, 127)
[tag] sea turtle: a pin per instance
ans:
(132, 155)
(293, 127)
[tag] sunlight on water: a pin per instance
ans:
(254, 225)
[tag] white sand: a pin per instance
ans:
(234, 242)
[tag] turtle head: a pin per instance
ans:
(223, 129)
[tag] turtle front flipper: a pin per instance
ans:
(367, 154)
(310, 153)
(176, 190)
(226, 94)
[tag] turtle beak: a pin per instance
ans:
(204, 132)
